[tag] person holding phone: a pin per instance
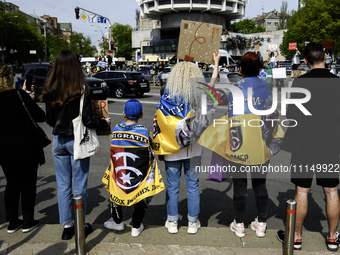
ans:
(28, 85)
(20, 152)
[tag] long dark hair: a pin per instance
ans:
(65, 80)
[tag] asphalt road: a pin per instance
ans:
(216, 198)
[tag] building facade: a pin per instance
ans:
(160, 43)
(270, 20)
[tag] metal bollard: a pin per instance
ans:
(79, 225)
(288, 247)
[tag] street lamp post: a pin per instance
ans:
(99, 31)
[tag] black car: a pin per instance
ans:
(36, 74)
(125, 82)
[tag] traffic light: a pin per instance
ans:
(112, 45)
(77, 12)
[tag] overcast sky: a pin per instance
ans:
(121, 11)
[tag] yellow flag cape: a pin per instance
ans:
(133, 173)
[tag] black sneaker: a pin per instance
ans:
(13, 226)
(68, 233)
(29, 226)
(281, 237)
(333, 243)
(88, 229)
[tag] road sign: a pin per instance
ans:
(292, 46)
(101, 20)
(83, 16)
(92, 18)
(110, 52)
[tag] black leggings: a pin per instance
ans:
(21, 177)
(240, 194)
(137, 216)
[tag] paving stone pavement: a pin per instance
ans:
(154, 240)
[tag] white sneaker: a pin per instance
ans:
(111, 224)
(237, 228)
(136, 231)
(259, 228)
(193, 227)
(172, 226)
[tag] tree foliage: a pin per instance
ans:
(122, 35)
(246, 26)
(18, 37)
(55, 43)
(82, 45)
(318, 21)
(284, 16)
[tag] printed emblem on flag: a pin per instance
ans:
(236, 139)
(130, 169)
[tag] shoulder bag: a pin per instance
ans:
(86, 142)
(42, 137)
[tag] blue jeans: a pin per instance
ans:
(70, 174)
(173, 178)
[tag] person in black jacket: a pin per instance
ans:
(20, 152)
(314, 142)
(63, 88)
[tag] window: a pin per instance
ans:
(100, 75)
(41, 72)
(269, 24)
(276, 24)
(111, 75)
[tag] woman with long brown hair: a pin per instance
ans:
(63, 89)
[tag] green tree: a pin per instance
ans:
(82, 45)
(318, 21)
(55, 43)
(18, 38)
(246, 26)
(122, 35)
(284, 16)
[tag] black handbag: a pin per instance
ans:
(43, 139)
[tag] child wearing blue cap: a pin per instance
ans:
(133, 176)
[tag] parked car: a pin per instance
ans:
(38, 73)
(125, 82)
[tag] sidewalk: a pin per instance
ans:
(45, 240)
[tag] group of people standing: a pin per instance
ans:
(179, 132)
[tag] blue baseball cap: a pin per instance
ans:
(133, 109)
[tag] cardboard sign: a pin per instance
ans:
(273, 47)
(100, 109)
(198, 41)
(279, 73)
(292, 46)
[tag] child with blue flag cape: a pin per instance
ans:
(133, 175)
